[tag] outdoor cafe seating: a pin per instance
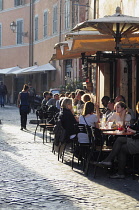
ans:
(92, 153)
(87, 155)
(45, 122)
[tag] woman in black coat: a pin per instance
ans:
(67, 118)
(23, 104)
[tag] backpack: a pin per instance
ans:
(59, 133)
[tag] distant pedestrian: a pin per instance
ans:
(32, 95)
(23, 104)
(3, 92)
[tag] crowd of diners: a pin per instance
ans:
(81, 107)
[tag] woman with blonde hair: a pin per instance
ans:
(67, 118)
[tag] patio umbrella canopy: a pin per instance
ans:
(86, 41)
(117, 26)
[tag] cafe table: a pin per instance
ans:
(117, 133)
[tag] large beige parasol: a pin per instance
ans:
(118, 26)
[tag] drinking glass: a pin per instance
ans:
(120, 125)
(127, 124)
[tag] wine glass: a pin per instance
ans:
(127, 124)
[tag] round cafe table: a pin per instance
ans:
(117, 132)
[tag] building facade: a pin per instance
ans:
(40, 24)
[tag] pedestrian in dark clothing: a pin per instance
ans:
(32, 95)
(23, 104)
(3, 92)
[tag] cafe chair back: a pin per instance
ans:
(95, 149)
(81, 150)
(45, 120)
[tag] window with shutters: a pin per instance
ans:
(67, 14)
(45, 23)
(19, 2)
(19, 32)
(36, 29)
(1, 4)
(0, 35)
(55, 21)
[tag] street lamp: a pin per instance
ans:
(13, 27)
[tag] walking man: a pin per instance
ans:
(32, 94)
(3, 92)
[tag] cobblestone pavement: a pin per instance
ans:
(31, 178)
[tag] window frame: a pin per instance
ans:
(55, 19)
(45, 24)
(0, 35)
(36, 30)
(19, 31)
(18, 3)
(67, 14)
(1, 5)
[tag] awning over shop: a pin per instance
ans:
(40, 69)
(9, 70)
(35, 69)
(21, 71)
(64, 52)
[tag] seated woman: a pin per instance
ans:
(122, 147)
(88, 118)
(120, 114)
(67, 118)
(86, 97)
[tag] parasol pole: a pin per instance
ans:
(118, 33)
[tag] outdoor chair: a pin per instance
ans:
(81, 150)
(132, 166)
(43, 121)
(97, 150)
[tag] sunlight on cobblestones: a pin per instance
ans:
(32, 178)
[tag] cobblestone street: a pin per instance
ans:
(31, 177)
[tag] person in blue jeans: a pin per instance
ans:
(23, 104)
(122, 147)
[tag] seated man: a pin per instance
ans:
(46, 96)
(105, 100)
(52, 101)
(110, 107)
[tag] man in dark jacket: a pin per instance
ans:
(32, 95)
(3, 92)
